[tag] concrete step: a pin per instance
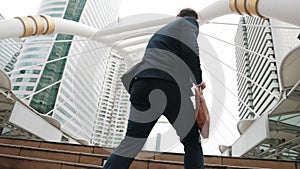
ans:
(53, 157)
(76, 157)
(52, 154)
(19, 162)
(56, 145)
(94, 155)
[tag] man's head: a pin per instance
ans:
(188, 12)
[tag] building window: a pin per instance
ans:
(19, 79)
(16, 87)
(29, 88)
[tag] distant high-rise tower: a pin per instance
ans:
(9, 51)
(113, 106)
(258, 86)
(67, 88)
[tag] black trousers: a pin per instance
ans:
(138, 131)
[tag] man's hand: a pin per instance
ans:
(202, 85)
(199, 89)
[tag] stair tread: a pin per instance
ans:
(52, 150)
(51, 161)
(158, 157)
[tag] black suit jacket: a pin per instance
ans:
(171, 54)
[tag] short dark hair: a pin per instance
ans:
(188, 12)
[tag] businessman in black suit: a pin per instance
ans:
(161, 85)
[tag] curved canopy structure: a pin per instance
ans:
(290, 82)
(277, 130)
(284, 10)
(20, 120)
(129, 38)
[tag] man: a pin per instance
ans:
(161, 85)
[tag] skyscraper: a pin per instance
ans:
(113, 105)
(9, 51)
(68, 87)
(258, 87)
(265, 43)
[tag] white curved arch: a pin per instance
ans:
(284, 10)
(217, 9)
(17, 28)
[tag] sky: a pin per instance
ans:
(29, 7)
(225, 52)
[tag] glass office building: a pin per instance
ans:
(62, 75)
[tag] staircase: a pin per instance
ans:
(30, 154)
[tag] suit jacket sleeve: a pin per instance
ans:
(189, 47)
